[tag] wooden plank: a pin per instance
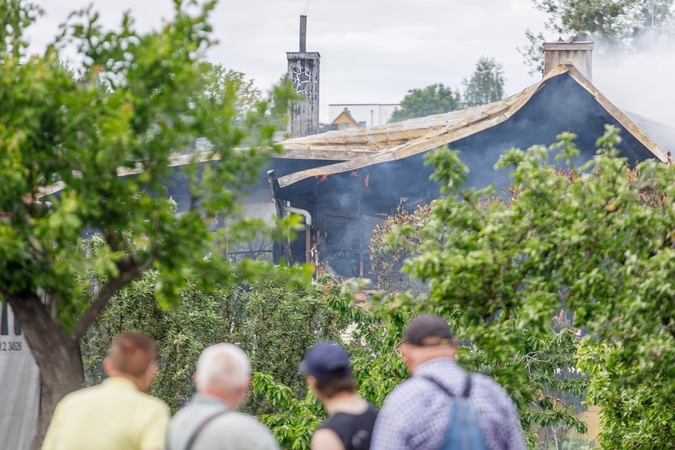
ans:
(567, 46)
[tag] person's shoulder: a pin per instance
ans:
(407, 391)
(244, 427)
(325, 438)
(186, 411)
(243, 420)
(485, 382)
(80, 395)
(151, 402)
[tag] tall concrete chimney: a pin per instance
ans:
(578, 52)
(303, 71)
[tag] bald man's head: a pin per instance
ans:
(132, 354)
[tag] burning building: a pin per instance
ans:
(348, 181)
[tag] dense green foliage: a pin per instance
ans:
(376, 367)
(278, 325)
(273, 322)
(433, 99)
(599, 244)
(548, 395)
(203, 318)
(486, 84)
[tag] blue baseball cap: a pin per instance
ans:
(326, 360)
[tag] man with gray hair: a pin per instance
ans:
(211, 420)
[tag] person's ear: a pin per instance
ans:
(151, 372)
(108, 366)
(243, 391)
(453, 348)
(311, 380)
(406, 351)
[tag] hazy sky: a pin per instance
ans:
(372, 51)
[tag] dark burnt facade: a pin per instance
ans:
(349, 195)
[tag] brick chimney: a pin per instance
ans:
(303, 71)
(580, 53)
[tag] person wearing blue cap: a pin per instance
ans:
(329, 376)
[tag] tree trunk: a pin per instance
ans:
(57, 356)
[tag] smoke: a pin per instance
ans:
(639, 77)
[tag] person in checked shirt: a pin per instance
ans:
(415, 415)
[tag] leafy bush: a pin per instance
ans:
(599, 244)
(274, 322)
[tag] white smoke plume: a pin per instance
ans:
(640, 79)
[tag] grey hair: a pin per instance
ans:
(222, 367)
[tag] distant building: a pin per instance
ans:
(345, 120)
(373, 114)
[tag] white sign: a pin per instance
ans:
(19, 384)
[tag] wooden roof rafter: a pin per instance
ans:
(388, 143)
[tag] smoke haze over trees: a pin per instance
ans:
(618, 24)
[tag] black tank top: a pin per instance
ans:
(354, 431)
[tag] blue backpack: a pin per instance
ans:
(463, 432)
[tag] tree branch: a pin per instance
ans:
(129, 271)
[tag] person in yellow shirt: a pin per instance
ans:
(117, 414)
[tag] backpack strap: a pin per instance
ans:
(467, 386)
(465, 393)
(201, 427)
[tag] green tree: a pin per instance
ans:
(220, 83)
(606, 19)
(433, 99)
(550, 394)
(140, 98)
(598, 244)
(294, 414)
(616, 22)
(486, 84)
(273, 322)
(279, 324)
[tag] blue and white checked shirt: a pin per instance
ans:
(416, 415)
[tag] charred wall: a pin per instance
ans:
(346, 207)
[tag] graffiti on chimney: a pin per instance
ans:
(304, 80)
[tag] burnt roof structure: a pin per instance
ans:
(350, 180)
(564, 100)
